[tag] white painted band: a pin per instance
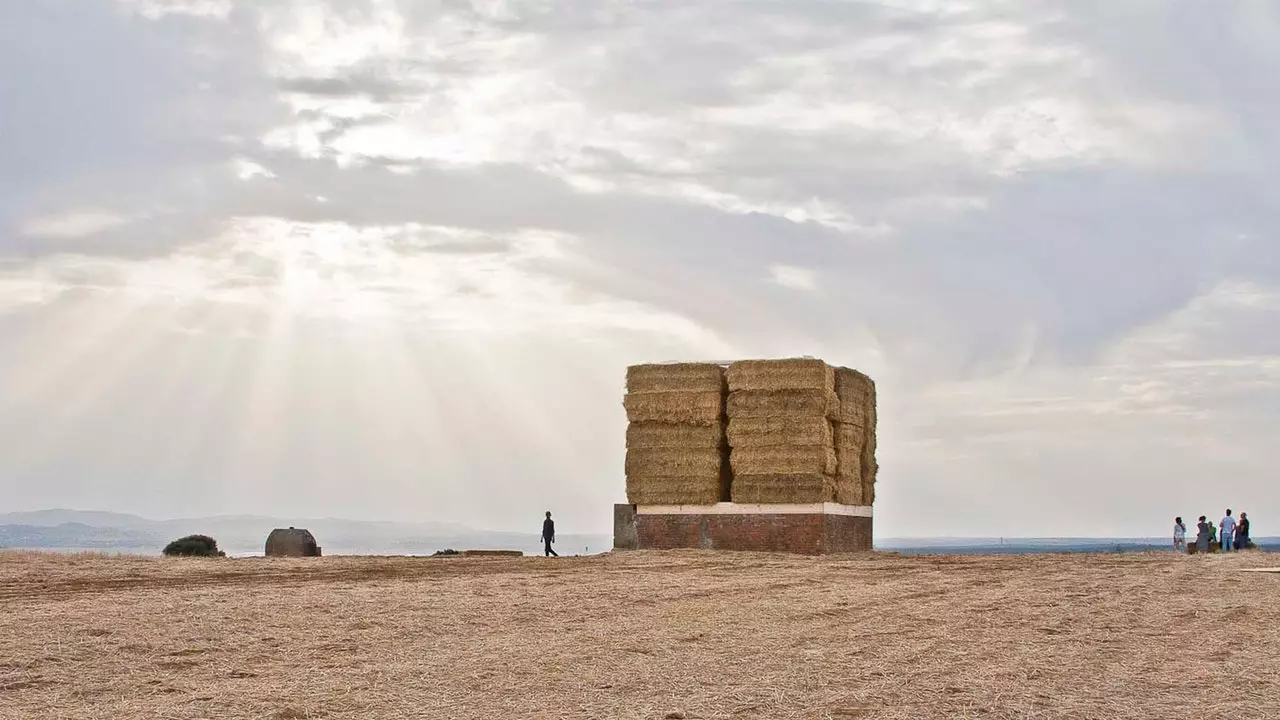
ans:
(728, 508)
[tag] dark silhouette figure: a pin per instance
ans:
(549, 535)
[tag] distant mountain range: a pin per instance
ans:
(246, 534)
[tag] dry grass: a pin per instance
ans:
(639, 635)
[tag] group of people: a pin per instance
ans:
(1229, 533)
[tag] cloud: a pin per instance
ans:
(1046, 229)
(73, 225)
(794, 277)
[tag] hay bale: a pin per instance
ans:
(660, 462)
(857, 394)
(774, 431)
(848, 461)
(676, 377)
(783, 403)
(293, 542)
(850, 437)
(670, 435)
(782, 460)
(676, 490)
(786, 374)
(689, 408)
(850, 491)
(773, 488)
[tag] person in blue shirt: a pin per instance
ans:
(1228, 534)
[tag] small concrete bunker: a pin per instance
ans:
(292, 542)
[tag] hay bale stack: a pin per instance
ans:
(676, 450)
(856, 437)
(780, 435)
(293, 542)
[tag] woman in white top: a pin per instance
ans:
(1179, 535)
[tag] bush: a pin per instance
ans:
(194, 546)
(449, 551)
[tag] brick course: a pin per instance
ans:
(806, 534)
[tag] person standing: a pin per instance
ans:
(1228, 534)
(1242, 532)
(549, 535)
(1179, 535)
(1203, 530)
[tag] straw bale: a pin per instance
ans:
(849, 437)
(773, 431)
(782, 460)
(848, 461)
(769, 488)
(850, 383)
(670, 435)
(869, 465)
(850, 491)
(659, 462)
(788, 374)
(693, 408)
(783, 403)
(857, 394)
(676, 377)
(677, 490)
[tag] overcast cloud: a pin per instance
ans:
(380, 259)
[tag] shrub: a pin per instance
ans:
(194, 546)
(449, 551)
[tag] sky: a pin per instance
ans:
(390, 260)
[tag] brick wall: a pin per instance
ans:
(807, 534)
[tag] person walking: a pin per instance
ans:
(1203, 530)
(1242, 532)
(549, 535)
(1228, 527)
(1179, 536)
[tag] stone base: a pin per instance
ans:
(624, 528)
(815, 529)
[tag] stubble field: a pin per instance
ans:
(639, 635)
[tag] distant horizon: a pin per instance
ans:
(4, 515)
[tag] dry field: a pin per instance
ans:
(640, 635)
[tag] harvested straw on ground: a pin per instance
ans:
(782, 403)
(773, 431)
(671, 435)
(774, 488)
(676, 377)
(783, 460)
(792, 373)
(693, 408)
(660, 490)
